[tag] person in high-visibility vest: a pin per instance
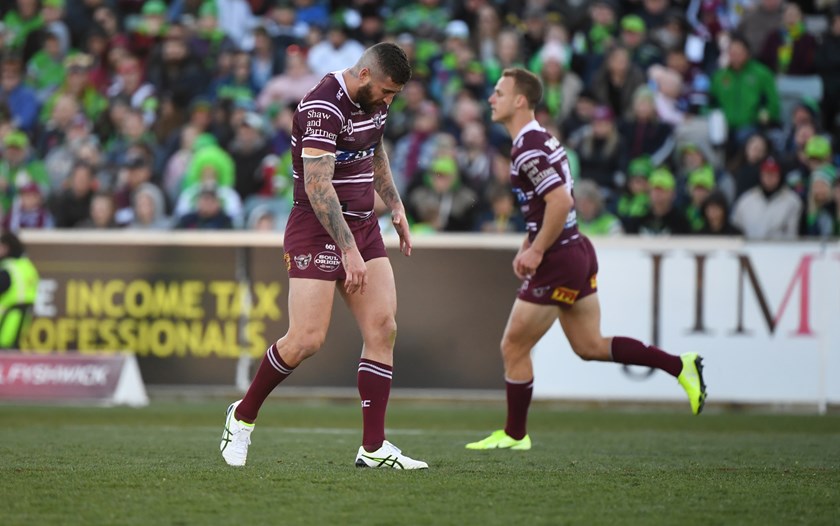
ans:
(18, 289)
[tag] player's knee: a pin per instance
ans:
(384, 332)
(589, 350)
(513, 350)
(305, 345)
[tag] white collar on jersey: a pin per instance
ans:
(531, 126)
(339, 76)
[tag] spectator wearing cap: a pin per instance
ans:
(209, 40)
(292, 84)
(21, 100)
(130, 83)
(634, 36)
(701, 183)
(617, 81)
(664, 217)
(634, 200)
(284, 28)
(29, 210)
(207, 212)
(426, 19)
(818, 151)
(22, 23)
(149, 30)
(77, 84)
(644, 133)
(70, 204)
(593, 219)
(45, 70)
(806, 111)
(759, 22)
(18, 166)
(442, 202)
(819, 212)
(336, 52)
(771, 210)
(210, 164)
(790, 49)
(746, 92)
(715, 213)
(599, 147)
(456, 69)
(52, 13)
(595, 36)
(827, 65)
(693, 157)
(248, 149)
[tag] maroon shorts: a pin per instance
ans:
(311, 253)
(565, 275)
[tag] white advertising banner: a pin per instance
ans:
(765, 317)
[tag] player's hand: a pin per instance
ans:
(401, 226)
(356, 271)
(526, 262)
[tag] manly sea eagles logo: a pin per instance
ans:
(348, 127)
(377, 120)
(302, 261)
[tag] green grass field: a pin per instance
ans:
(161, 465)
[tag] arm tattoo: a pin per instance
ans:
(383, 181)
(317, 177)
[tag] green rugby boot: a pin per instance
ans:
(691, 379)
(501, 440)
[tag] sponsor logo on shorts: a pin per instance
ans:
(327, 261)
(593, 282)
(564, 295)
(288, 259)
(539, 292)
(303, 260)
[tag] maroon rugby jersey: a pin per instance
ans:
(538, 164)
(328, 120)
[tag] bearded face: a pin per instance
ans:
(366, 99)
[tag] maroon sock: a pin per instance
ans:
(272, 371)
(518, 401)
(374, 380)
(633, 352)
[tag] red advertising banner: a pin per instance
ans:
(71, 378)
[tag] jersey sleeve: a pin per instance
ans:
(321, 122)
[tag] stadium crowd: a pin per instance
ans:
(709, 117)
